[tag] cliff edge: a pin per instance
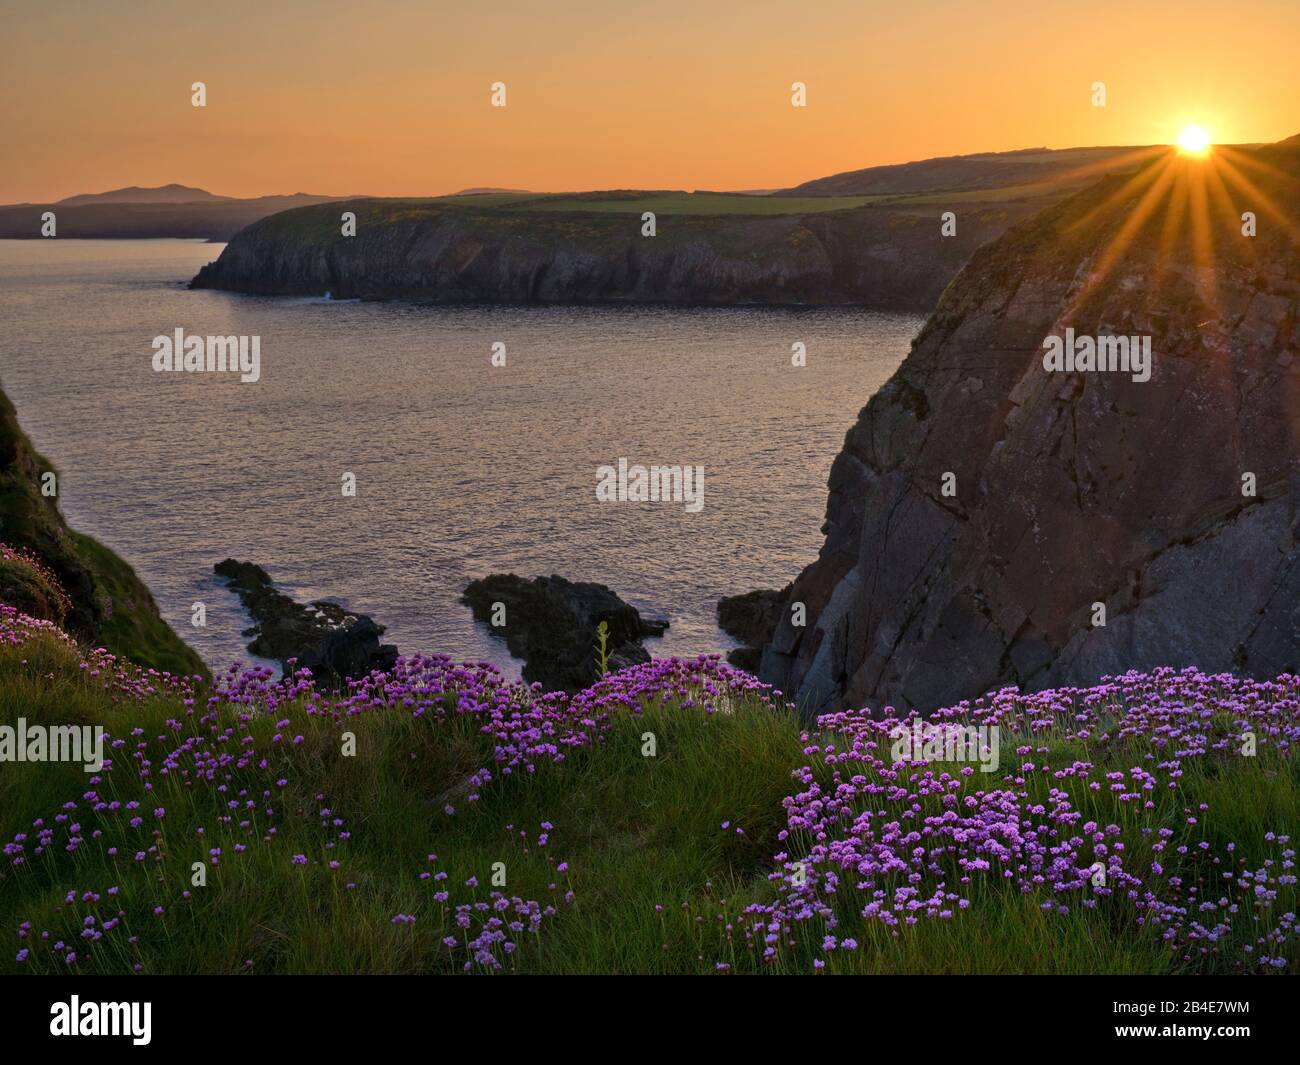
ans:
(109, 605)
(991, 521)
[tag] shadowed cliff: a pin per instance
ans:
(1170, 502)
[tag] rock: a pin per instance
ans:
(551, 623)
(324, 637)
(750, 659)
(1074, 488)
(751, 618)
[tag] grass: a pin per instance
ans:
(692, 203)
(658, 884)
(639, 829)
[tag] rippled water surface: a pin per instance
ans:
(462, 469)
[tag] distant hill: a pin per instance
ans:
(136, 194)
(486, 189)
(136, 213)
(1029, 178)
(990, 170)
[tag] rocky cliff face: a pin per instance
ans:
(879, 257)
(982, 506)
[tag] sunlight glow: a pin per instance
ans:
(1193, 140)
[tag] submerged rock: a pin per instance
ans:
(329, 640)
(991, 522)
(551, 623)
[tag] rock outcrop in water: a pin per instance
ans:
(332, 642)
(1075, 491)
(878, 257)
(551, 623)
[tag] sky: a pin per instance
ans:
(393, 97)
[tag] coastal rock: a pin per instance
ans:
(324, 637)
(751, 618)
(551, 623)
(984, 510)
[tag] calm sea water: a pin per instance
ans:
(462, 469)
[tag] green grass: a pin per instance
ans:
(637, 831)
(133, 628)
(692, 203)
(31, 589)
(1043, 190)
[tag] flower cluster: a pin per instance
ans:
(1093, 812)
(57, 598)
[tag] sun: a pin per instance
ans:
(1193, 140)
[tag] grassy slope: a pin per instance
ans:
(699, 203)
(113, 607)
(988, 171)
(635, 831)
(638, 830)
(669, 203)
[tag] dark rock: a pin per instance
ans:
(327, 639)
(551, 623)
(751, 618)
(750, 659)
(1081, 487)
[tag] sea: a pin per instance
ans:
(462, 464)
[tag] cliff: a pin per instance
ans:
(1071, 489)
(453, 252)
(109, 605)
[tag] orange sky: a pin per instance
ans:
(391, 97)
